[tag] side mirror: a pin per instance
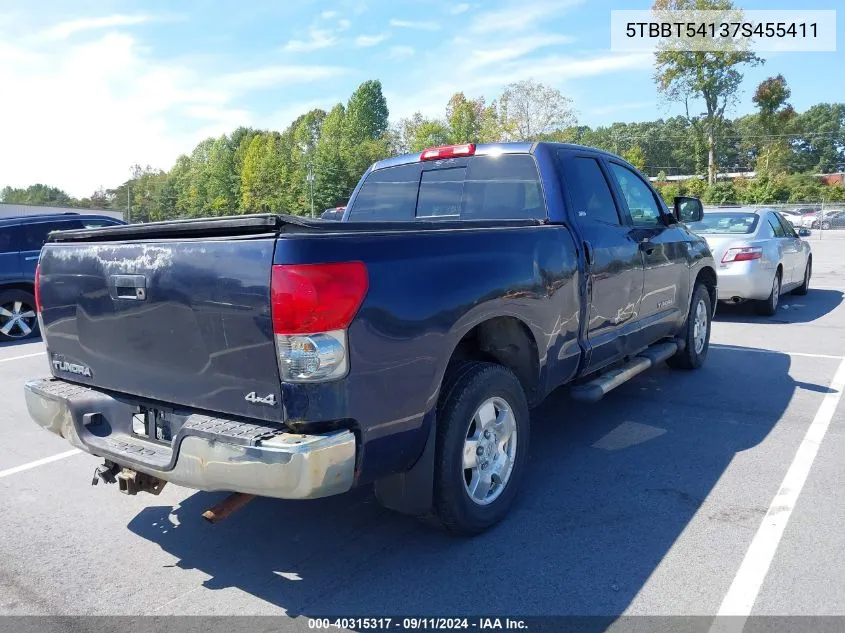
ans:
(804, 232)
(688, 209)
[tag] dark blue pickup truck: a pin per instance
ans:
(402, 346)
(21, 239)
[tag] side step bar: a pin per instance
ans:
(597, 388)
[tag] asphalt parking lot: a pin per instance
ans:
(679, 494)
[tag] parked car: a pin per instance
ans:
(792, 217)
(828, 220)
(760, 256)
(294, 358)
(21, 239)
(335, 213)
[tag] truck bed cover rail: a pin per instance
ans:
(258, 224)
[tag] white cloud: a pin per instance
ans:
(317, 39)
(328, 15)
(520, 15)
(273, 76)
(365, 41)
(459, 8)
(430, 98)
(511, 49)
(622, 107)
(343, 25)
(417, 25)
(66, 29)
(401, 52)
(118, 107)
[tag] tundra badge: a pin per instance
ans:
(269, 399)
(72, 368)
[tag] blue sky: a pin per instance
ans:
(92, 88)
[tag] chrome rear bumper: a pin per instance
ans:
(208, 454)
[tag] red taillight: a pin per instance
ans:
(37, 288)
(448, 151)
(311, 298)
(742, 254)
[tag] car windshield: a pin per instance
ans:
(726, 223)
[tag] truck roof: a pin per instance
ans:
(486, 149)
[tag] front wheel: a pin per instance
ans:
(825, 225)
(482, 445)
(18, 319)
(697, 333)
(768, 307)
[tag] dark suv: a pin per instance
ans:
(21, 239)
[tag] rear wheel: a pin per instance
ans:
(482, 444)
(697, 334)
(804, 288)
(18, 319)
(768, 307)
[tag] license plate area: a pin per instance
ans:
(153, 424)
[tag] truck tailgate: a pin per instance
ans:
(182, 321)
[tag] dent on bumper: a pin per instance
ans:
(287, 466)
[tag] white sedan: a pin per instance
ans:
(758, 255)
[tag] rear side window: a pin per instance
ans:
(388, 195)
(589, 190)
(96, 224)
(36, 234)
(504, 187)
(10, 239)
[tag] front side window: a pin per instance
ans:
(641, 203)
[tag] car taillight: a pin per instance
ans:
(742, 254)
(37, 288)
(311, 307)
(448, 151)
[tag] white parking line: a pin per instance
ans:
(735, 348)
(745, 587)
(38, 462)
(4, 360)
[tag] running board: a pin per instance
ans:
(597, 388)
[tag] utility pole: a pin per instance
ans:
(310, 179)
(128, 204)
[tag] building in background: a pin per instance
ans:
(7, 210)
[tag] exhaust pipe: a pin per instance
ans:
(227, 507)
(736, 299)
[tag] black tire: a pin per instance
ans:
(466, 387)
(690, 357)
(825, 225)
(768, 307)
(804, 288)
(9, 300)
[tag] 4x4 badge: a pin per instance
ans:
(269, 399)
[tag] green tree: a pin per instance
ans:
(464, 118)
(820, 141)
(366, 113)
(263, 174)
(636, 156)
(222, 179)
(41, 195)
(711, 76)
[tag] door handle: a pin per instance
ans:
(133, 287)
(647, 247)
